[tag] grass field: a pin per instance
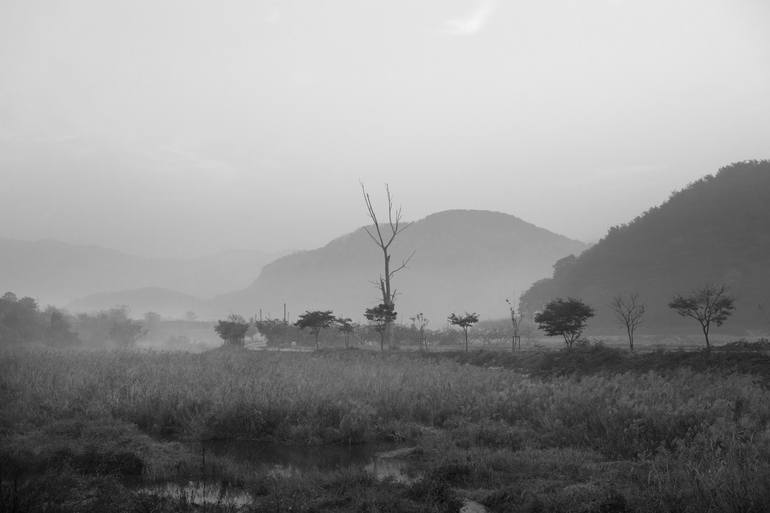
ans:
(588, 431)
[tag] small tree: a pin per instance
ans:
(152, 320)
(345, 326)
(275, 331)
(232, 330)
(629, 311)
(566, 318)
(419, 322)
(465, 321)
(381, 316)
(59, 331)
(516, 320)
(316, 321)
(707, 305)
(123, 330)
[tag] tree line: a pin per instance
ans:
(23, 321)
(311, 325)
(709, 305)
(568, 318)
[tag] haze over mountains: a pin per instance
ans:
(464, 260)
(58, 273)
(717, 230)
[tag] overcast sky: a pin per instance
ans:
(186, 127)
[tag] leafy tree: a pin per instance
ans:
(381, 316)
(113, 325)
(59, 330)
(315, 321)
(345, 326)
(565, 317)
(20, 319)
(276, 331)
(123, 330)
(464, 321)
(707, 305)
(232, 330)
(629, 311)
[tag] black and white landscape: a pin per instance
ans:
(342, 256)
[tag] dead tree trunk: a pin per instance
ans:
(383, 236)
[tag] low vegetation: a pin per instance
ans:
(22, 322)
(526, 432)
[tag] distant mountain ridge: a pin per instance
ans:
(168, 303)
(58, 273)
(464, 260)
(717, 230)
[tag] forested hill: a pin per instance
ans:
(464, 260)
(716, 230)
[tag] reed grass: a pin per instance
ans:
(683, 440)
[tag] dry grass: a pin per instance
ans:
(679, 441)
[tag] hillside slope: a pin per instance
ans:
(464, 260)
(717, 230)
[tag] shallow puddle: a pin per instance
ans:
(383, 461)
(199, 493)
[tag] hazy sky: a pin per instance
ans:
(185, 127)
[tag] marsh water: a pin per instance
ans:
(382, 461)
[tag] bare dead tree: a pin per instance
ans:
(383, 234)
(516, 320)
(629, 311)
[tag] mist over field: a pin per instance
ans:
(452, 256)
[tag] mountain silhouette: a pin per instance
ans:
(463, 260)
(715, 231)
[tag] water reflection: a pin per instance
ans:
(199, 493)
(383, 461)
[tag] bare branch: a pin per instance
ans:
(629, 312)
(373, 216)
(404, 263)
(371, 236)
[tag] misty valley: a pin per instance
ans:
(469, 361)
(344, 256)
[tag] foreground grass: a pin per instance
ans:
(737, 357)
(622, 438)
